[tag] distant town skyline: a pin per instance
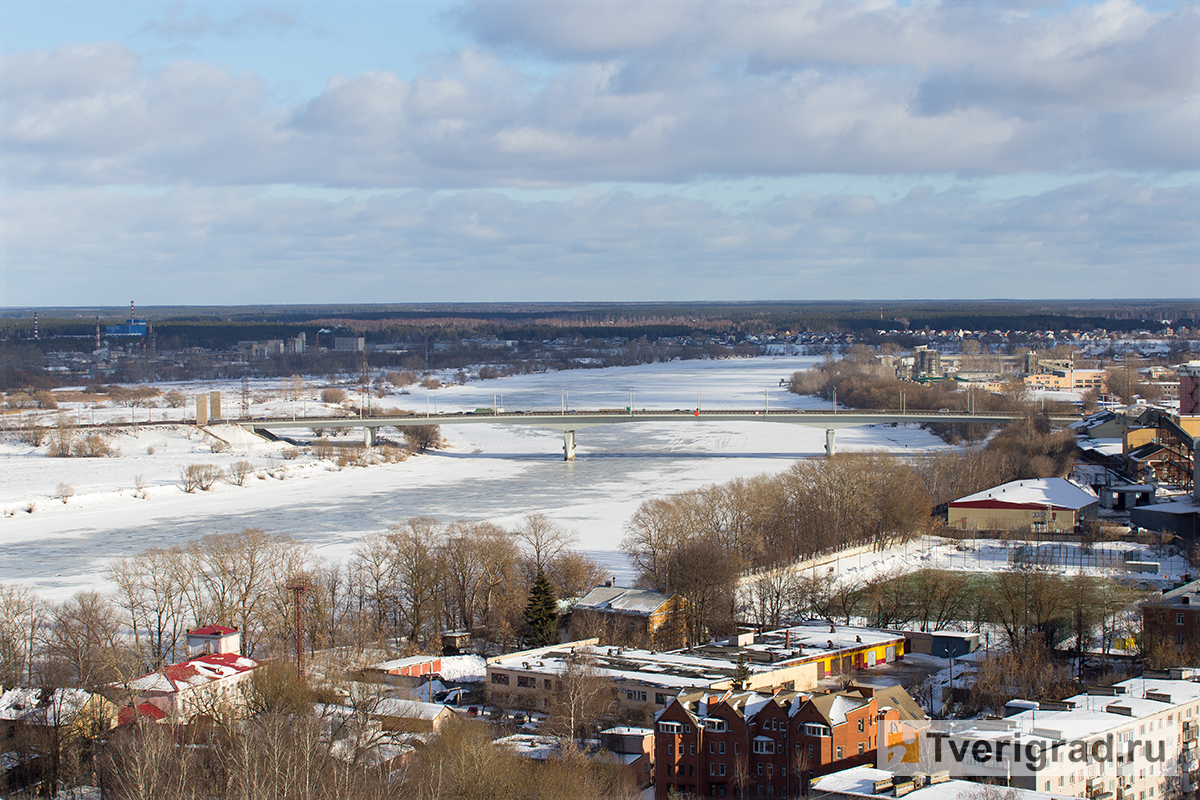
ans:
(228, 153)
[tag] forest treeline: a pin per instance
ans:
(699, 543)
(399, 589)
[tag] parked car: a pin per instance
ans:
(519, 718)
(473, 711)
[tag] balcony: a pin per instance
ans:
(1189, 731)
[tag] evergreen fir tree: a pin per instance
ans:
(541, 615)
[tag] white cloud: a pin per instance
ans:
(644, 92)
(236, 245)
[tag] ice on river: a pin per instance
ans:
(489, 471)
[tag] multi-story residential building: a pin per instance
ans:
(749, 744)
(1135, 740)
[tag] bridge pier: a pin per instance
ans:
(568, 445)
(368, 436)
(829, 446)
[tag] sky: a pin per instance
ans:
(360, 152)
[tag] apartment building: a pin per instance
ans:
(750, 744)
(1135, 740)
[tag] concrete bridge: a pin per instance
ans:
(570, 421)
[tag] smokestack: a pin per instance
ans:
(787, 638)
(97, 331)
(131, 310)
(35, 328)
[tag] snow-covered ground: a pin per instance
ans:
(991, 555)
(488, 471)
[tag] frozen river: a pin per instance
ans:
(492, 472)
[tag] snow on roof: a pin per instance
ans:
(35, 707)
(1054, 492)
(197, 671)
(1089, 717)
(400, 663)
(861, 781)
(409, 709)
(627, 730)
(642, 602)
(532, 746)
(465, 669)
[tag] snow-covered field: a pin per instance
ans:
(488, 471)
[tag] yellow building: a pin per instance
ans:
(1046, 504)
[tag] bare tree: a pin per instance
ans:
(543, 540)
(580, 701)
(416, 545)
(22, 618)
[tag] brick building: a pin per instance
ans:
(748, 744)
(1173, 619)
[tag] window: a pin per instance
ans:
(1062, 781)
(810, 751)
(816, 729)
(1179, 619)
(670, 749)
(526, 682)
(712, 748)
(860, 725)
(549, 684)
(635, 695)
(669, 727)
(499, 679)
(760, 768)
(687, 728)
(660, 698)
(692, 771)
(720, 748)
(763, 745)
(839, 753)
(715, 725)
(692, 749)
(862, 748)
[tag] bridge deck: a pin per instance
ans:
(574, 420)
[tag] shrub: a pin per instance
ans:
(332, 395)
(45, 399)
(239, 471)
(93, 446)
(31, 434)
(401, 379)
(200, 476)
(420, 438)
(220, 446)
(175, 398)
(64, 492)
